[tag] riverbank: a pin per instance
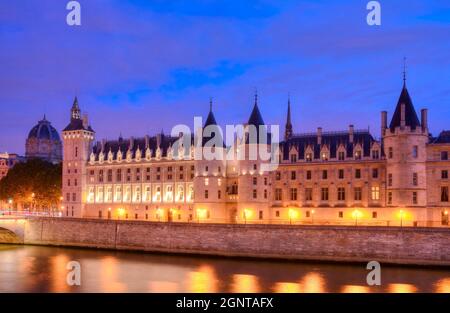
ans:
(389, 245)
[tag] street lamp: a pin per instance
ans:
(401, 218)
(356, 214)
(292, 215)
(312, 216)
(10, 201)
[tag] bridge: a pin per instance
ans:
(12, 229)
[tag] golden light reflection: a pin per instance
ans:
(443, 285)
(59, 273)
(163, 287)
(108, 276)
(313, 283)
(355, 289)
(204, 280)
(402, 288)
(245, 284)
(287, 288)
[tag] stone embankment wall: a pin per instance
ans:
(421, 246)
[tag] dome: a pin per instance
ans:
(44, 130)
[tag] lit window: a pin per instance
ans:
(375, 193)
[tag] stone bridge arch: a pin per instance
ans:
(12, 230)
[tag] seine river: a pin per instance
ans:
(43, 269)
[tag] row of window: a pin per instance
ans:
(137, 194)
(341, 156)
(324, 174)
(324, 194)
(138, 174)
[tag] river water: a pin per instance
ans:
(43, 269)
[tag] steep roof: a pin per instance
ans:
(444, 137)
(411, 118)
(76, 122)
(330, 139)
(212, 126)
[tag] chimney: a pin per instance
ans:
(103, 145)
(131, 143)
(158, 140)
(319, 135)
(351, 133)
(147, 141)
(402, 115)
(383, 122)
(424, 119)
(85, 121)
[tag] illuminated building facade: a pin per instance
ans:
(345, 177)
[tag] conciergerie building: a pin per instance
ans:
(342, 177)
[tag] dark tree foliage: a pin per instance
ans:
(35, 184)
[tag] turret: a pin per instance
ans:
(78, 137)
(404, 143)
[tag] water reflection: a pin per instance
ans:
(43, 269)
(443, 285)
(245, 284)
(203, 280)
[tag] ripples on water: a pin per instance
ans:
(43, 269)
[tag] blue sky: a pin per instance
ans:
(141, 66)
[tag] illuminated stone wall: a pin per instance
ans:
(328, 243)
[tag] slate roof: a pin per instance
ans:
(77, 124)
(134, 144)
(411, 118)
(211, 122)
(444, 137)
(331, 139)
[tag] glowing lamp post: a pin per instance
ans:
(356, 214)
(120, 213)
(201, 214)
(312, 216)
(292, 215)
(10, 201)
(401, 218)
(247, 214)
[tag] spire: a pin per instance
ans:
(255, 117)
(210, 120)
(75, 112)
(404, 72)
(288, 129)
(405, 114)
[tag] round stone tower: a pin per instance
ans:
(404, 143)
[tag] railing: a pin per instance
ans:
(8, 213)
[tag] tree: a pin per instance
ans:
(35, 184)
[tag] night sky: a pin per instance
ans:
(141, 66)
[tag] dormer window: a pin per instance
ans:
(309, 157)
(324, 156)
(293, 158)
(341, 155)
(358, 155)
(375, 154)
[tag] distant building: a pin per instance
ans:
(342, 177)
(7, 161)
(44, 143)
